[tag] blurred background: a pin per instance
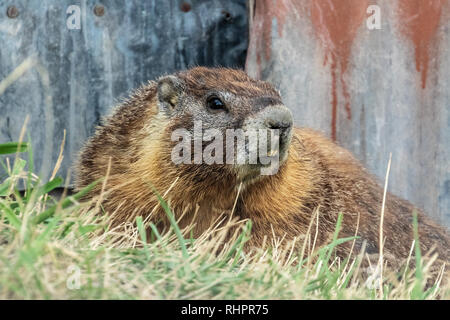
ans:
(373, 75)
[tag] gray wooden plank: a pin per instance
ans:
(90, 69)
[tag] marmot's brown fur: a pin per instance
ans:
(316, 173)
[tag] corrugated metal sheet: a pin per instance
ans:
(115, 50)
(375, 91)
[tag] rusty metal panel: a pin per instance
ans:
(374, 90)
(118, 46)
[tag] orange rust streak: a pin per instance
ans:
(266, 11)
(336, 24)
(273, 10)
(419, 21)
(333, 102)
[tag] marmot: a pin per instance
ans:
(314, 172)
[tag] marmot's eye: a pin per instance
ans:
(215, 104)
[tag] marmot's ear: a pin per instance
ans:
(169, 91)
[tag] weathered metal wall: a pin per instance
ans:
(119, 45)
(374, 91)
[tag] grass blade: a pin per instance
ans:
(13, 147)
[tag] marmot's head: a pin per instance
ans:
(221, 119)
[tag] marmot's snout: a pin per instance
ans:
(280, 118)
(275, 116)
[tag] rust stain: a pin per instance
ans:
(336, 23)
(419, 21)
(266, 12)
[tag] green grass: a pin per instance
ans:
(62, 249)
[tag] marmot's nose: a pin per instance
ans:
(279, 117)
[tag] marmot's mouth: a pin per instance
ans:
(248, 173)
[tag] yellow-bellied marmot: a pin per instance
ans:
(314, 171)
